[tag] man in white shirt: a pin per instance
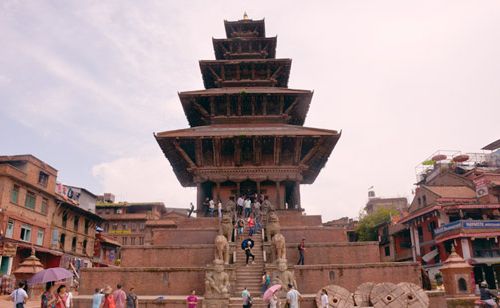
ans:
(239, 204)
(211, 207)
(19, 296)
(248, 207)
(292, 297)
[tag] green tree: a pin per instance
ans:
(367, 226)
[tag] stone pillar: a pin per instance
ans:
(296, 195)
(199, 199)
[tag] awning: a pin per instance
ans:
(430, 255)
(40, 249)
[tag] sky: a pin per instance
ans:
(85, 84)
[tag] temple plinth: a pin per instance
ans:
(247, 135)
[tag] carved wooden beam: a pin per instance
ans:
(295, 102)
(214, 73)
(277, 72)
(212, 105)
(202, 110)
(312, 151)
(298, 149)
(277, 150)
(198, 152)
(183, 153)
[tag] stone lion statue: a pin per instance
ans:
(217, 281)
(273, 225)
(279, 246)
(221, 249)
(283, 276)
(226, 226)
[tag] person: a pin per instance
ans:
(206, 206)
(48, 297)
(120, 297)
(241, 226)
(211, 207)
(266, 282)
(132, 300)
(61, 296)
(191, 209)
(19, 296)
(108, 301)
(247, 298)
(192, 300)
(324, 298)
(97, 298)
(292, 297)
(274, 301)
(239, 204)
(251, 225)
(487, 296)
(302, 249)
(219, 210)
(248, 207)
(248, 252)
(69, 298)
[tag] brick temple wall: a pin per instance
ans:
(184, 236)
(166, 256)
(317, 234)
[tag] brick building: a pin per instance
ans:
(457, 203)
(375, 203)
(32, 214)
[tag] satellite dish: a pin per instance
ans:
(461, 158)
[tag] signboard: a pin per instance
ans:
(468, 224)
(120, 232)
(481, 187)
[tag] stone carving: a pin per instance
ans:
(279, 247)
(337, 297)
(221, 249)
(381, 295)
(362, 294)
(217, 281)
(226, 226)
(283, 276)
(230, 206)
(272, 226)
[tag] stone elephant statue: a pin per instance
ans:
(279, 246)
(221, 249)
(226, 226)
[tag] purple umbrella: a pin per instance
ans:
(50, 274)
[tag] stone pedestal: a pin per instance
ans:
(221, 302)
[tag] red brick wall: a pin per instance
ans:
(314, 234)
(183, 236)
(167, 256)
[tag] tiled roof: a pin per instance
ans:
(458, 192)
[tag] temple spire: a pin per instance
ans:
(245, 16)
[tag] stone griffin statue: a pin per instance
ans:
(226, 226)
(217, 281)
(283, 276)
(279, 246)
(230, 206)
(221, 248)
(273, 225)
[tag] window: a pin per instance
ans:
(39, 237)
(84, 246)
(14, 194)
(124, 226)
(132, 241)
(75, 223)
(87, 223)
(10, 229)
(124, 240)
(141, 241)
(432, 226)
(43, 178)
(115, 227)
(73, 244)
(30, 200)
(133, 226)
(45, 206)
(424, 200)
(141, 226)
(419, 201)
(420, 234)
(64, 220)
(25, 233)
(387, 251)
(62, 241)
(462, 285)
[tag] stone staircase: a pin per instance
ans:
(249, 276)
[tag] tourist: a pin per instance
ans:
(247, 299)
(120, 297)
(61, 297)
(239, 204)
(248, 251)
(240, 224)
(292, 297)
(274, 301)
(211, 207)
(191, 209)
(48, 297)
(132, 300)
(219, 210)
(301, 249)
(486, 296)
(251, 225)
(324, 298)
(248, 207)
(97, 298)
(266, 282)
(192, 300)
(108, 301)
(206, 206)
(69, 298)
(19, 296)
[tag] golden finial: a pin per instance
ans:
(245, 16)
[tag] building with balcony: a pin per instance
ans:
(457, 203)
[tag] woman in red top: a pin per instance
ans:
(61, 297)
(251, 225)
(108, 301)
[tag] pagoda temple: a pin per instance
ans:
(247, 135)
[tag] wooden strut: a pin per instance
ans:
(313, 151)
(214, 73)
(184, 155)
(295, 102)
(199, 152)
(298, 149)
(202, 110)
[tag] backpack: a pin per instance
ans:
(298, 247)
